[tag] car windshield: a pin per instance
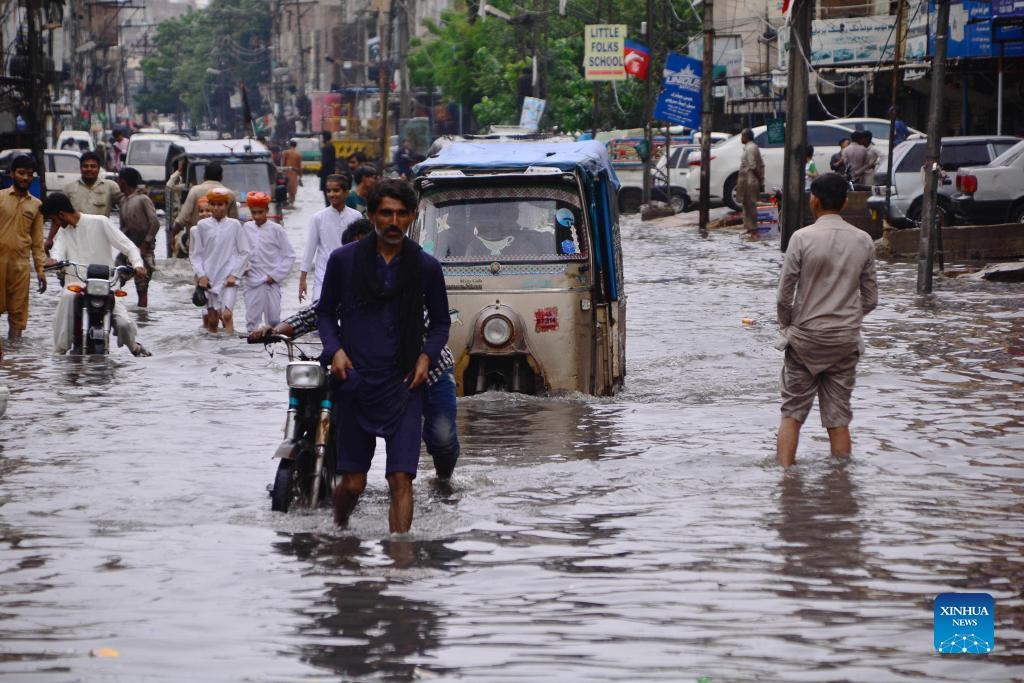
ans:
(514, 223)
(242, 178)
(148, 152)
(1009, 156)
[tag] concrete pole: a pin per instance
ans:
(706, 116)
(936, 122)
(999, 90)
(38, 89)
(792, 218)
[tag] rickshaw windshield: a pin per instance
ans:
(242, 178)
(514, 223)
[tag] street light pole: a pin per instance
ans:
(792, 218)
(706, 116)
(936, 121)
(36, 90)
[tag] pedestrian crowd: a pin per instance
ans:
(379, 303)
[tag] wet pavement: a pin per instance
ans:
(642, 537)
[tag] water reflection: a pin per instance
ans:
(822, 533)
(360, 627)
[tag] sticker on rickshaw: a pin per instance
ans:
(546, 319)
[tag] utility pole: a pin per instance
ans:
(792, 217)
(405, 95)
(648, 132)
(901, 9)
(706, 116)
(384, 31)
(36, 91)
(936, 121)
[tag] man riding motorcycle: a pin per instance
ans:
(87, 239)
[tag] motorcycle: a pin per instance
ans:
(305, 473)
(94, 304)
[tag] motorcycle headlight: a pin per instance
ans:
(497, 330)
(305, 375)
(97, 287)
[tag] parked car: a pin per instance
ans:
(879, 128)
(632, 181)
(993, 193)
(905, 198)
(147, 154)
(62, 167)
(81, 139)
(725, 160)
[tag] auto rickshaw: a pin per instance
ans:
(528, 236)
(248, 167)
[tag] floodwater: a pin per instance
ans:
(647, 536)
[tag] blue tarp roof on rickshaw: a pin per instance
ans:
(588, 156)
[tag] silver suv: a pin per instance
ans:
(908, 184)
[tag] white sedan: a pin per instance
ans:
(725, 160)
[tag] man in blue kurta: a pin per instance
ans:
(370, 318)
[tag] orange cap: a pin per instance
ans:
(258, 199)
(201, 202)
(219, 195)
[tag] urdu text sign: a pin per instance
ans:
(603, 52)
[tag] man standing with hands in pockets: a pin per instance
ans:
(827, 287)
(371, 321)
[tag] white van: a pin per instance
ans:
(147, 154)
(77, 140)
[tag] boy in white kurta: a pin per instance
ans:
(271, 258)
(219, 251)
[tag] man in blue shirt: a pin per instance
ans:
(371, 322)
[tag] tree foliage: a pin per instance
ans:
(204, 54)
(487, 64)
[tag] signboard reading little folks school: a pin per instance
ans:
(680, 99)
(603, 52)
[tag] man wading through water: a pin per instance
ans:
(826, 288)
(371, 322)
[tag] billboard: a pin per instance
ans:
(852, 40)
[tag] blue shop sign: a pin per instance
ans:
(970, 31)
(679, 101)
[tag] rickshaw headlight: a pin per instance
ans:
(497, 330)
(305, 375)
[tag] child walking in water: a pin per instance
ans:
(271, 258)
(219, 251)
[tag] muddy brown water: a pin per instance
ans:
(642, 537)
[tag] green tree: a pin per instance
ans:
(204, 54)
(484, 64)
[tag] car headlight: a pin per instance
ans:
(305, 375)
(97, 287)
(497, 330)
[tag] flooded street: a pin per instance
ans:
(642, 537)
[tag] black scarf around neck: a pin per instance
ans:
(408, 289)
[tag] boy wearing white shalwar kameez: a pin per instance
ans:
(219, 252)
(271, 257)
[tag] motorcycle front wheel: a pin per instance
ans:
(281, 494)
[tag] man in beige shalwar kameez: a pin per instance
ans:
(826, 288)
(750, 179)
